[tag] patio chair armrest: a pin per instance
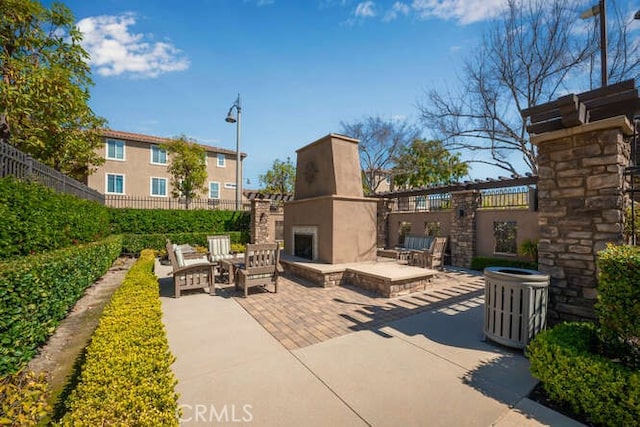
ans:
(194, 268)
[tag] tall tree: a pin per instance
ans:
(280, 179)
(425, 163)
(44, 90)
(532, 54)
(381, 141)
(187, 167)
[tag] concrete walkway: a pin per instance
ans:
(429, 368)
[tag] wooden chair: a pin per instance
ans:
(431, 258)
(261, 267)
(189, 276)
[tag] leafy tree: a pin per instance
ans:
(44, 90)
(425, 163)
(532, 54)
(381, 141)
(280, 179)
(187, 168)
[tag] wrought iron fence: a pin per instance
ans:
(14, 162)
(141, 202)
(508, 198)
(423, 203)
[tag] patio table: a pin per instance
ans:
(230, 267)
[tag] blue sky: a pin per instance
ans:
(167, 68)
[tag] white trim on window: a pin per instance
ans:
(106, 183)
(230, 185)
(116, 142)
(210, 189)
(159, 179)
(156, 148)
(221, 161)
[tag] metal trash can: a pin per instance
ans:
(515, 301)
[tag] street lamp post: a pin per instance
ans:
(232, 119)
(600, 9)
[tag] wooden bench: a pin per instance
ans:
(412, 243)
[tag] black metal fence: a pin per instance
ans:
(14, 162)
(509, 198)
(138, 202)
(423, 203)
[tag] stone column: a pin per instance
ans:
(384, 209)
(581, 201)
(260, 221)
(464, 205)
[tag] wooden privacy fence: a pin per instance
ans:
(14, 162)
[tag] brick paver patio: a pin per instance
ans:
(301, 314)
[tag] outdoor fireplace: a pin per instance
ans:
(330, 220)
(305, 242)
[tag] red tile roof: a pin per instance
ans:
(130, 136)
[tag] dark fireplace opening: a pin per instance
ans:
(303, 245)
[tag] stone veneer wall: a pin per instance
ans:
(581, 208)
(463, 227)
(260, 230)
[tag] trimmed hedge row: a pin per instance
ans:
(151, 221)
(37, 291)
(126, 378)
(480, 263)
(36, 219)
(618, 305)
(23, 399)
(563, 359)
(134, 243)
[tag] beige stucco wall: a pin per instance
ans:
(418, 221)
(526, 223)
(138, 170)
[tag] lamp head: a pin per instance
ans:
(230, 117)
(637, 15)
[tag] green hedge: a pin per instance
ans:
(126, 378)
(37, 291)
(151, 221)
(134, 243)
(618, 305)
(36, 219)
(480, 263)
(606, 392)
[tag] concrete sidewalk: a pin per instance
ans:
(430, 368)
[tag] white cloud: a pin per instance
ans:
(462, 11)
(396, 10)
(365, 9)
(260, 2)
(116, 51)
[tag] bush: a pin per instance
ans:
(126, 378)
(480, 263)
(606, 392)
(618, 305)
(151, 221)
(23, 399)
(36, 219)
(37, 291)
(134, 243)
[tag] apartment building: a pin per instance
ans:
(135, 167)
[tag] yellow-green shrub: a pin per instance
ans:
(23, 399)
(126, 378)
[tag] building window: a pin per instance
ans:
(230, 185)
(158, 155)
(159, 187)
(404, 228)
(221, 160)
(214, 190)
(115, 184)
(505, 233)
(115, 149)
